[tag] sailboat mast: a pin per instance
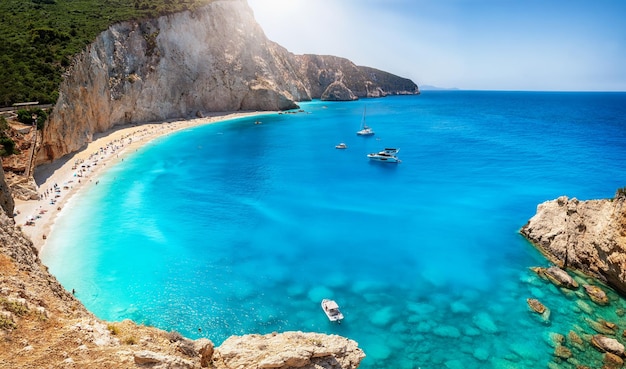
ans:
(363, 124)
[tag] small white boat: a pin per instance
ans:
(331, 309)
(387, 155)
(341, 146)
(365, 130)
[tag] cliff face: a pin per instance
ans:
(216, 58)
(44, 326)
(586, 235)
(6, 200)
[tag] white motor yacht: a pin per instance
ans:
(331, 309)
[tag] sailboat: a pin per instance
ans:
(365, 130)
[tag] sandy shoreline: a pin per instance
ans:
(59, 181)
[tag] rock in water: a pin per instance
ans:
(606, 344)
(596, 294)
(536, 306)
(539, 308)
(560, 278)
(589, 235)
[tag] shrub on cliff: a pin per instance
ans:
(39, 37)
(7, 146)
(26, 116)
(621, 193)
(4, 125)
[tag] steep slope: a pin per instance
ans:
(215, 58)
(586, 235)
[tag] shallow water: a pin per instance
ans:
(236, 228)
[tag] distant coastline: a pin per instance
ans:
(437, 88)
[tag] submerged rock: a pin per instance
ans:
(562, 352)
(575, 340)
(539, 308)
(602, 326)
(485, 323)
(612, 361)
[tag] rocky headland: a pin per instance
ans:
(588, 236)
(213, 59)
(586, 242)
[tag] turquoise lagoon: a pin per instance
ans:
(237, 228)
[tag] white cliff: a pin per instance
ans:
(215, 58)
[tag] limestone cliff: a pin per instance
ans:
(216, 58)
(44, 326)
(586, 235)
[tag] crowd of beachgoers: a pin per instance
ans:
(59, 182)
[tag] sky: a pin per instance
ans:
(524, 45)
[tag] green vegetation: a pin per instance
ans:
(4, 125)
(113, 329)
(130, 340)
(38, 38)
(621, 192)
(7, 146)
(6, 323)
(29, 116)
(14, 307)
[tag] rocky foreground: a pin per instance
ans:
(589, 236)
(44, 326)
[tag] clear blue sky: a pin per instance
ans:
(554, 45)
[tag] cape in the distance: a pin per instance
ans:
(213, 59)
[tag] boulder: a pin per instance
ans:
(606, 344)
(560, 278)
(596, 294)
(536, 306)
(288, 350)
(612, 361)
(541, 309)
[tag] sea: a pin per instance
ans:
(244, 226)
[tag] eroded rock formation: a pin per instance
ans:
(586, 235)
(216, 58)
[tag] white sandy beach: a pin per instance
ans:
(59, 181)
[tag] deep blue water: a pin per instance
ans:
(239, 228)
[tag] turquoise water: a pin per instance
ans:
(237, 228)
